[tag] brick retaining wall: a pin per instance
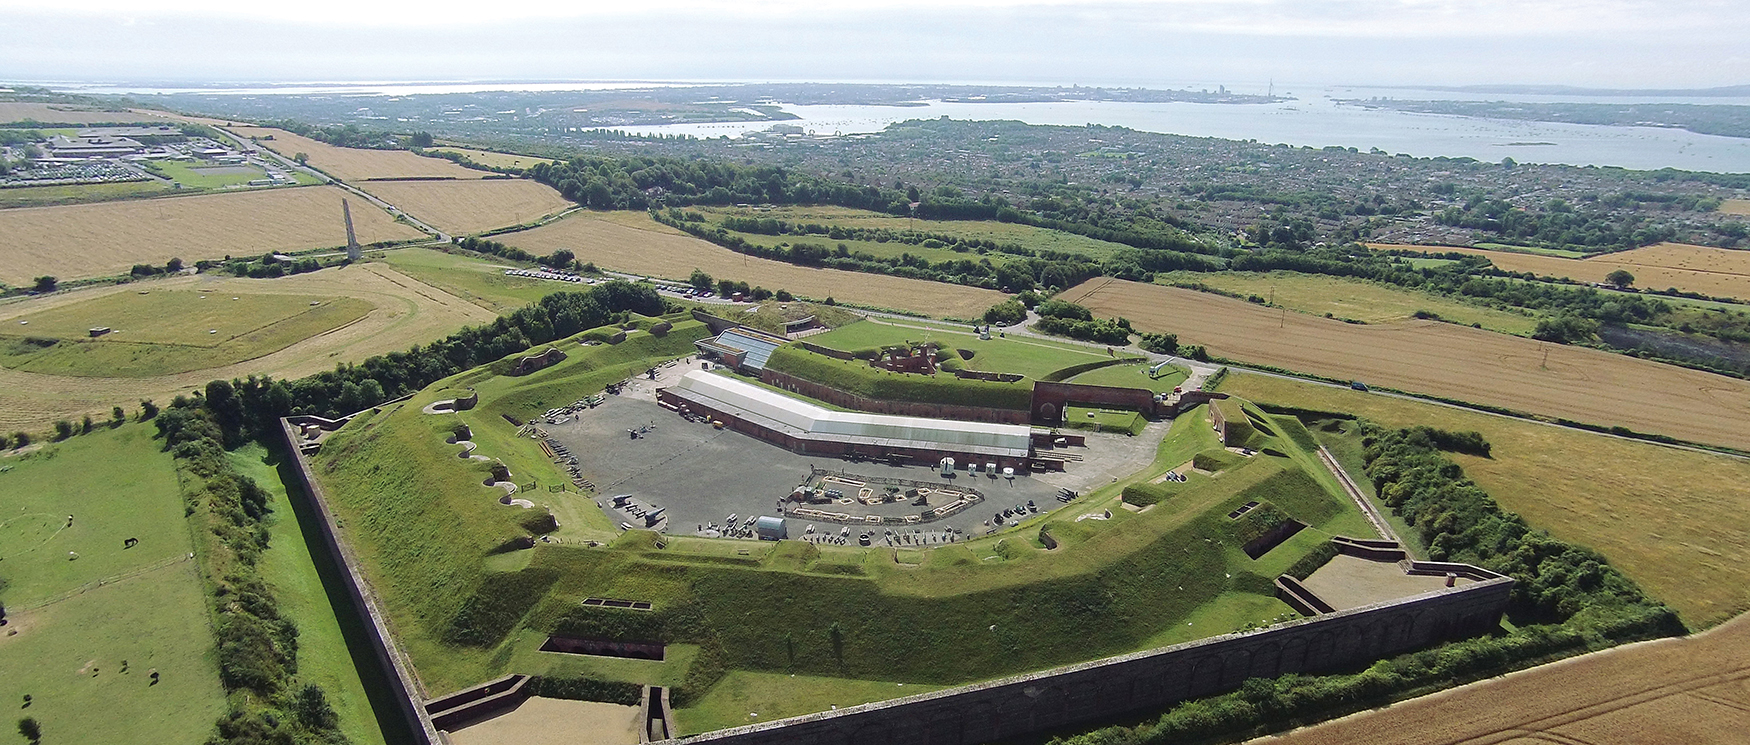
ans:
(1027, 705)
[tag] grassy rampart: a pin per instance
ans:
(857, 377)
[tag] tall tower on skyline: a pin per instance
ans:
(353, 253)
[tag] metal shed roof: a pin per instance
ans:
(779, 412)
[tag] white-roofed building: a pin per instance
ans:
(815, 430)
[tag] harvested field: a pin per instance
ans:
(611, 244)
(1655, 511)
(355, 164)
(1441, 359)
(91, 240)
(1735, 206)
(464, 207)
(1719, 272)
(66, 113)
(1342, 297)
(492, 159)
(1691, 690)
(407, 312)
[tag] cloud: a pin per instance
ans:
(1134, 42)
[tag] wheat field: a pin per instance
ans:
(464, 207)
(1718, 272)
(1441, 359)
(107, 238)
(356, 164)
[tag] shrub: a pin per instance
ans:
(1161, 343)
(1006, 313)
(1055, 308)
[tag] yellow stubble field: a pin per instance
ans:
(1441, 359)
(91, 240)
(473, 206)
(1718, 272)
(621, 242)
(356, 164)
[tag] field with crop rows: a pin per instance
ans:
(1353, 298)
(1693, 690)
(93, 240)
(1718, 272)
(464, 207)
(1445, 360)
(406, 312)
(1654, 511)
(356, 164)
(612, 244)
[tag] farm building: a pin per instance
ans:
(741, 348)
(812, 430)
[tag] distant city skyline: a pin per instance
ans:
(1611, 43)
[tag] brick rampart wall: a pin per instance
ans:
(404, 687)
(1049, 399)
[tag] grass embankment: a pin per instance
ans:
(1354, 299)
(85, 657)
(1134, 376)
(163, 332)
(419, 516)
(857, 377)
(1654, 511)
(290, 567)
(1033, 358)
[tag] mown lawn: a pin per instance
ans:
(479, 280)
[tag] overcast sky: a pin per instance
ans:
(1605, 43)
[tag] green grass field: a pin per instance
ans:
(43, 196)
(207, 176)
(1654, 511)
(750, 698)
(1026, 236)
(1033, 358)
(1103, 419)
(481, 282)
(161, 332)
(149, 612)
(1356, 299)
(323, 656)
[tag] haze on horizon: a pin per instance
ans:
(1597, 43)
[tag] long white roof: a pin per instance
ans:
(802, 419)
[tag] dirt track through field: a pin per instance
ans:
(408, 312)
(464, 207)
(93, 240)
(613, 245)
(1445, 360)
(1688, 691)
